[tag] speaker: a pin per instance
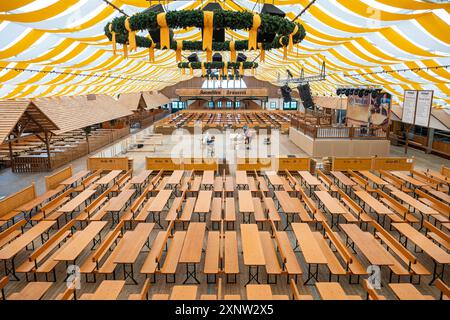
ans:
(286, 93)
(140, 145)
(272, 10)
(193, 58)
(217, 57)
(155, 33)
(305, 96)
(218, 34)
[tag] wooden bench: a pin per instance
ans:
(334, 266)
(37, 262)
(88, 181)
(371, 293)
(443, 288)
(352, 265)
(3, 282)
(230, 212)
(270, 211)
(396, 183)
(212, 255)
(260, 217)
(329, 185)
(216, 212)
(12, 232)
(68, 294)
(152, 263)
(262, 185)
(400, 209)
(290, 265)
(175, 208)
(413, 266)
(92, 263)
(173, 254)
(429, 200)
(230, 255)
(188, 210)
(295, 293)
(318, 216)
(438, 236)
(218, 185)
(93, 211)
(143, 294)
(121, 182)
(349, 203)
(51, 207)
(195, 185)
(273, 267)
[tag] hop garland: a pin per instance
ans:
(223, 19)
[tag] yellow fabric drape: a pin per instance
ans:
(209, 55)
(151, 50)
(225, 68)
(183, 72)
(131, 35)
(253, 32)
(203, 69)
(291, 38)
(113, 39)
(208, 24)
(262, 55)
(179, 49)
(284, 48)
(232, 51)
(163, 30)
(241, 68)
(191, 71)
(125, 51)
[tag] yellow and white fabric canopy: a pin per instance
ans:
(362, 42)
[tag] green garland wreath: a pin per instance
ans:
(223, 19)
(217, 65)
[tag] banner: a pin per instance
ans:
(423, 108)
(409, 106)
(367, 111)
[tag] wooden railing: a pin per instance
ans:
(334, 132)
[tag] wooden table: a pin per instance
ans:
(73, 180)
(158, 204)
(379, 208)
(332, 291)
(310, 249)
(259, 292)
(289, 205)
(76, 202)
(333, 205)
(32, 291)
(309, 180)
(106, 179)
(129, 247)
(184, 293)
(345, 181)
(116, 204)
(374, 178)
(369, 246)
(421, 207)
(141, 179)
(241, 179)
(9, 251)
(245, 202)
(191, 252)
(406, 291)
(408, 179)
(436, 253)
(37, 202)
(208, 178)
(252, 250)
(76, 245)
(107, 290)
(274, 179)
(175, 178)
(440, 195)
(203, 204)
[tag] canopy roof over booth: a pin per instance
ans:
(58, 47)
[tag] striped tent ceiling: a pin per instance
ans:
(362, 42)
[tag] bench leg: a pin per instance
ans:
(94, 278)
(270, 282)
(214, 279)
(174, 278)
(11, 269)
(312, 274)
(228, 279)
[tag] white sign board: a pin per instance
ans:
(423, 108)
(409, 106)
